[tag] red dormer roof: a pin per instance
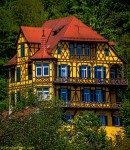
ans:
(11, 62)
(43, 52)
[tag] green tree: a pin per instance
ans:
(88, 134)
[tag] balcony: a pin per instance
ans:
(77, 80)
(92, 105)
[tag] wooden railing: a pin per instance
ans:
(76, 80)
(91, 105)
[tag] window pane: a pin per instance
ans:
(29, 72)
(106, 51)
(59, 49)
(79, 49)
(87, 50)
(64, 94)
(39, 71)
(72, 49)
(22, 50)
(45, 69)
(18, 74)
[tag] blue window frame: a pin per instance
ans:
(64, 70)
(112, 73)
(106, 51)
(22, 50)
(86, 95)
(64, 94)
(87, 50)
(84, 71)
(12, 98)
(104, 120)
(116, 121)
(100, 72)
(71, 49)
(79, 49)
(30, 72)
(59, 48)
(46, 69)
(18, 74)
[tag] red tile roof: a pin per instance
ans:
(11, 62)
(111, 43)
(68, 28)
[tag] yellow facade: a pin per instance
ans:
(74, 82)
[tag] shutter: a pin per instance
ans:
(59, 93)
(104, 72)
(113, 120)
(80, 71)
(82, 95)
(68, 74)
(95, 71)
(89, 72)
(69, 95)
(106, 120)
(103, 96)
(59, 70)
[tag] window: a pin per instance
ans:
(29, 72)
(106, 52)
(59, 49)
(100, 96)
(116, 121)
(79, 49)
(100, 72)
(43, 93)
(97, 96)
(112, 73)
(84, 71)
(87, 50)
(18, 96)
(64, 94)
(68, 117)
(86, 95)
(64, 71)
(42, 70)
(71, 49)
(45, 69)
(12, 75)
(104, 120)
(22, 50)
(18, 74)
(12, 98)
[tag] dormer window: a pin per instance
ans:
(22, 50)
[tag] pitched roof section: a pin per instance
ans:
(34, 34)
(11, 62)
(70, 28)
(43, 52)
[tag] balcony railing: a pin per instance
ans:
(75, 80)
(82, 57)
(91, 105)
